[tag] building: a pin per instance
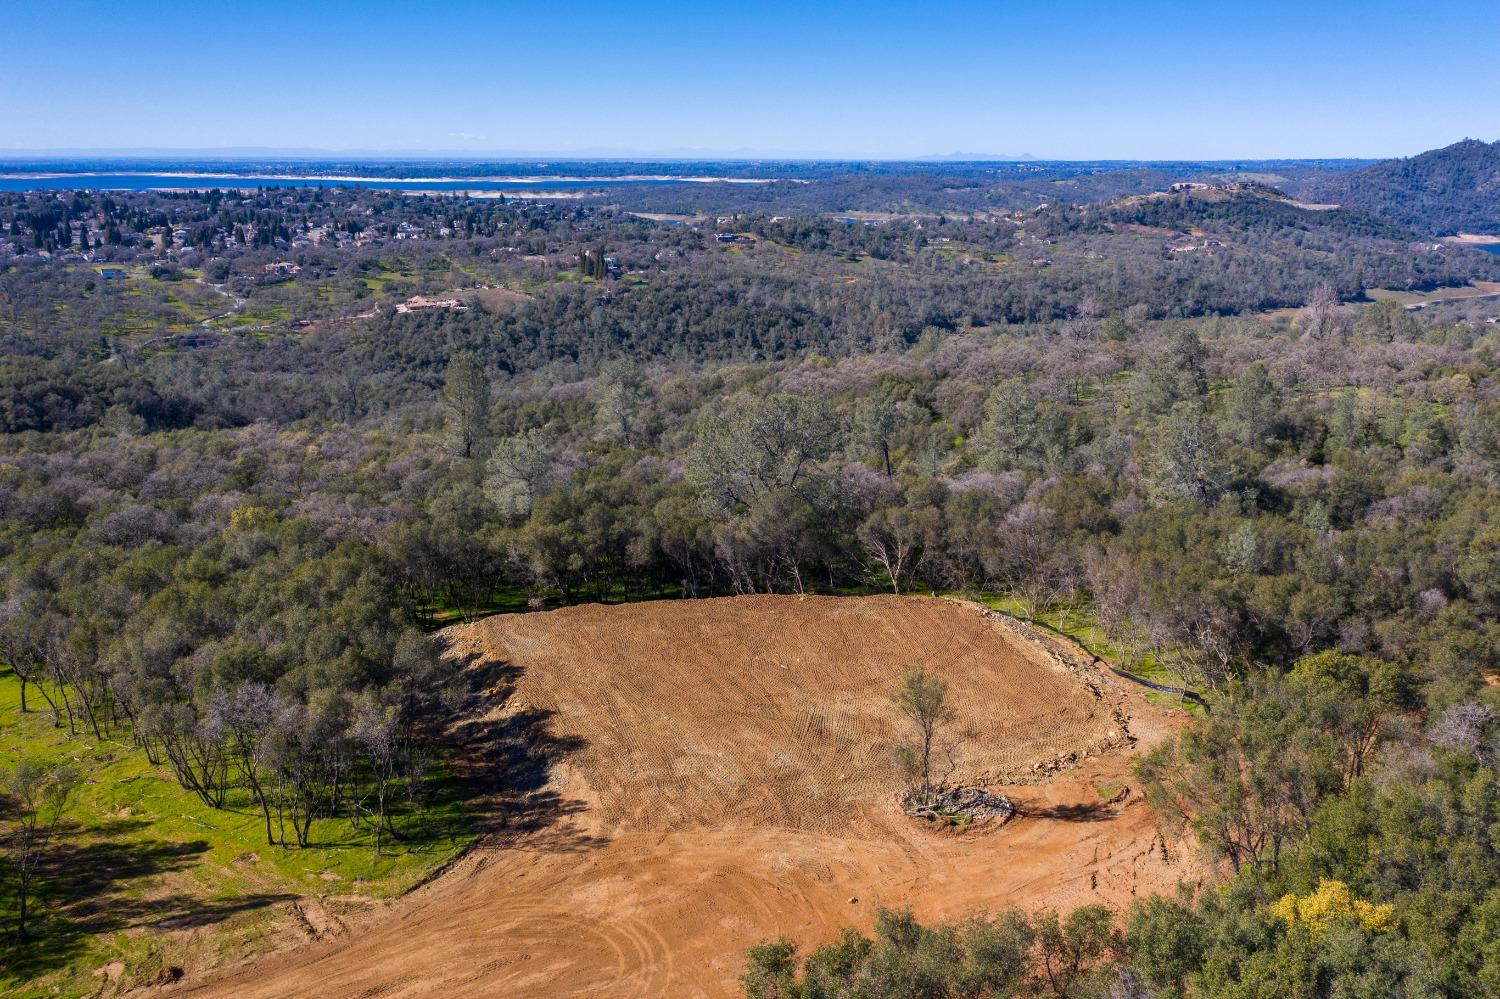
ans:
(417, 302)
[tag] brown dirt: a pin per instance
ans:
(1421, 299)
(497, 299)
(721, 776)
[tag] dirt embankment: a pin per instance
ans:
(714, 773)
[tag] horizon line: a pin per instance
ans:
(736, 156)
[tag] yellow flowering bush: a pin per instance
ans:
(1332, 900)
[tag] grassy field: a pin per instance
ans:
(147, 876)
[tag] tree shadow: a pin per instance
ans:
(506, 758)
(1084, 811)
(83, 888)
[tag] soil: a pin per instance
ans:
(495, 299)
(709, 774)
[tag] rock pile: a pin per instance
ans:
(964, 804)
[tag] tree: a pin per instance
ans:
(23, 646)
(1224, 779)
(896, 538)
(761, 447)
(38, 795)
(1253, 405)
(1350, 700)
(771, 971)
(1480, 568)
(1072, 949)
(517, 473)
(1022, 428)
(621, 397)
(923, 700)
(378, 736)
(466, 402)
(876, 422)
(1166, 939)
(982, 957)
(1175, 372)
(1249, 779)
(1184, 459)
(243, 720)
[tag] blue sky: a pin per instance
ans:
(1060, 79)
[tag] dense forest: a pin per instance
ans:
(1444, 191)
(238, 484)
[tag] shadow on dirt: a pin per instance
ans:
(1081, 812)
(507, 757)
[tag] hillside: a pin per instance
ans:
(776, 711)
(1442, 191)
(720, 773)
(1246, 246)
(1237, 207)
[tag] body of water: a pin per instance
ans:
(198, 182)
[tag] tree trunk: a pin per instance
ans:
(23, 890)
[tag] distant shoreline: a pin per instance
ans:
(336, 178)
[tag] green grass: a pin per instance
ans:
(503, 600)
(1074, 621)
(515, 600)
(148, 875)
(379, 279)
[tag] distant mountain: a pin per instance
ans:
(975, 158)
(1444, 191)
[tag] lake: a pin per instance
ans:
(146, 181)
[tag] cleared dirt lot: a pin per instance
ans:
(774, 711)
(720, 774)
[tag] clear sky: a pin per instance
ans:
(1061, 79)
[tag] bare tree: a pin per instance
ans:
(895, 539)
(1324, 317)
(1045, 584)
(923, 700)
(39, 796)
(22, 647)
(243, 721)
(378, 736)
(193, 746)
(73, 664)
(1461, 727)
